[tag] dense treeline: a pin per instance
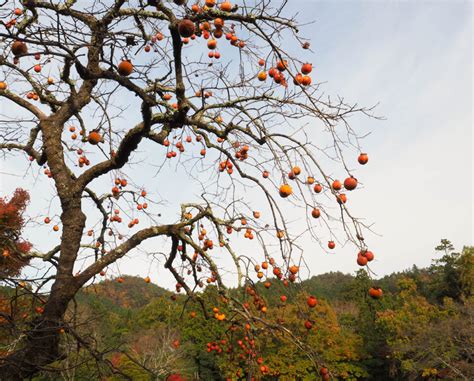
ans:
(422, 328)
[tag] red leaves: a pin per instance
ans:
(11, 225)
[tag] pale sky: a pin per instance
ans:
(415, 60)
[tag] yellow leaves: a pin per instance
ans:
(407, 286)
(428, 372)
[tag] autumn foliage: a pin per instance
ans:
(409, 333)
(14, 249)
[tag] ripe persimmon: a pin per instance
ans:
(125, 68)
(285, 190)
(350, 183)
(19, 48)
(315, 213)
(282, 65)
(94, 138)
(226, 6)
(375, 292)
(186, 28)
(294, 269)
(336, 185)
(262, 76)
(306, 81)
(363, 158)
(312, 301)
(306, 68)
(361, 260)
(212, 44)
(341, 198)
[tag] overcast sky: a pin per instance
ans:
(415, 60)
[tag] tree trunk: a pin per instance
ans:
(40, 349)
(40, 345)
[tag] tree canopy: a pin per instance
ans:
(218, 97)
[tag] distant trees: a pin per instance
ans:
(340, 348)
(428, 340)
(406, 335)
(429, 332)
(409, 334)
(453, 274)
(156, 352)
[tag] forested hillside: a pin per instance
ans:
(421, 328)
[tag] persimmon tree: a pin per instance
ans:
(219, 90)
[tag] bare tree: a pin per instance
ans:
(249, 107)
(158, 351)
